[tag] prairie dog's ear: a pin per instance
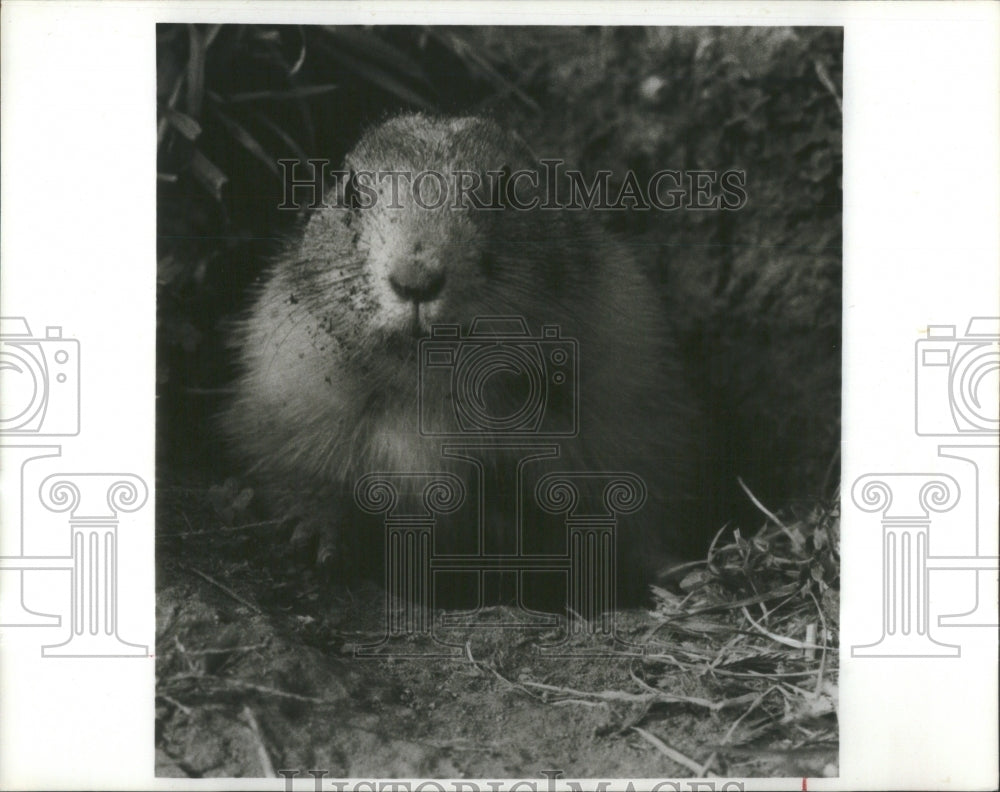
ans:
(479, 129)
(463, 124)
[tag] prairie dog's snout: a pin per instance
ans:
(417, 281)
(417, 253)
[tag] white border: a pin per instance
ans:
(921, 90)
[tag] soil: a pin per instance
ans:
(259, 671)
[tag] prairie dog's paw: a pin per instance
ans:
(318, 537)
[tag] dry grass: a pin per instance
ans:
(757, 621)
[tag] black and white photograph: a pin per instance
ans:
(498, 379)
(499, 396)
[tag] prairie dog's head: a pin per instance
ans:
(422, 232)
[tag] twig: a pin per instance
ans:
(810, 650)
(708, 763)
(262, 756)
(768, 513)
(174, 702)
(223, 650)
(222, 587)
(753, 498)
(671, 753)
(603, 695)
(775, 637)
(761, 675)
(171, 104)
(225, 529)
(723, 652)
(711, 548)
(751, 708)
(641, 698)
(484, 667)
(822, 657)
(829, 472)
(241, 685)
(824, 77)
(641, 682)
(787, 591)
(209, 391)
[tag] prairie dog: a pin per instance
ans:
(329, 351)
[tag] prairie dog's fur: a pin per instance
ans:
(328, 390)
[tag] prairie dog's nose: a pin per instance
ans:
(417, 283)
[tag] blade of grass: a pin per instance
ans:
(366, 44)
(209, 174)
(302, 53)
(248, 141)
(195, 71)
(183, 123)
(285, 138)
(291, 93)
(464, 51)
(373, 74)
(791, 642)
(171, 104)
